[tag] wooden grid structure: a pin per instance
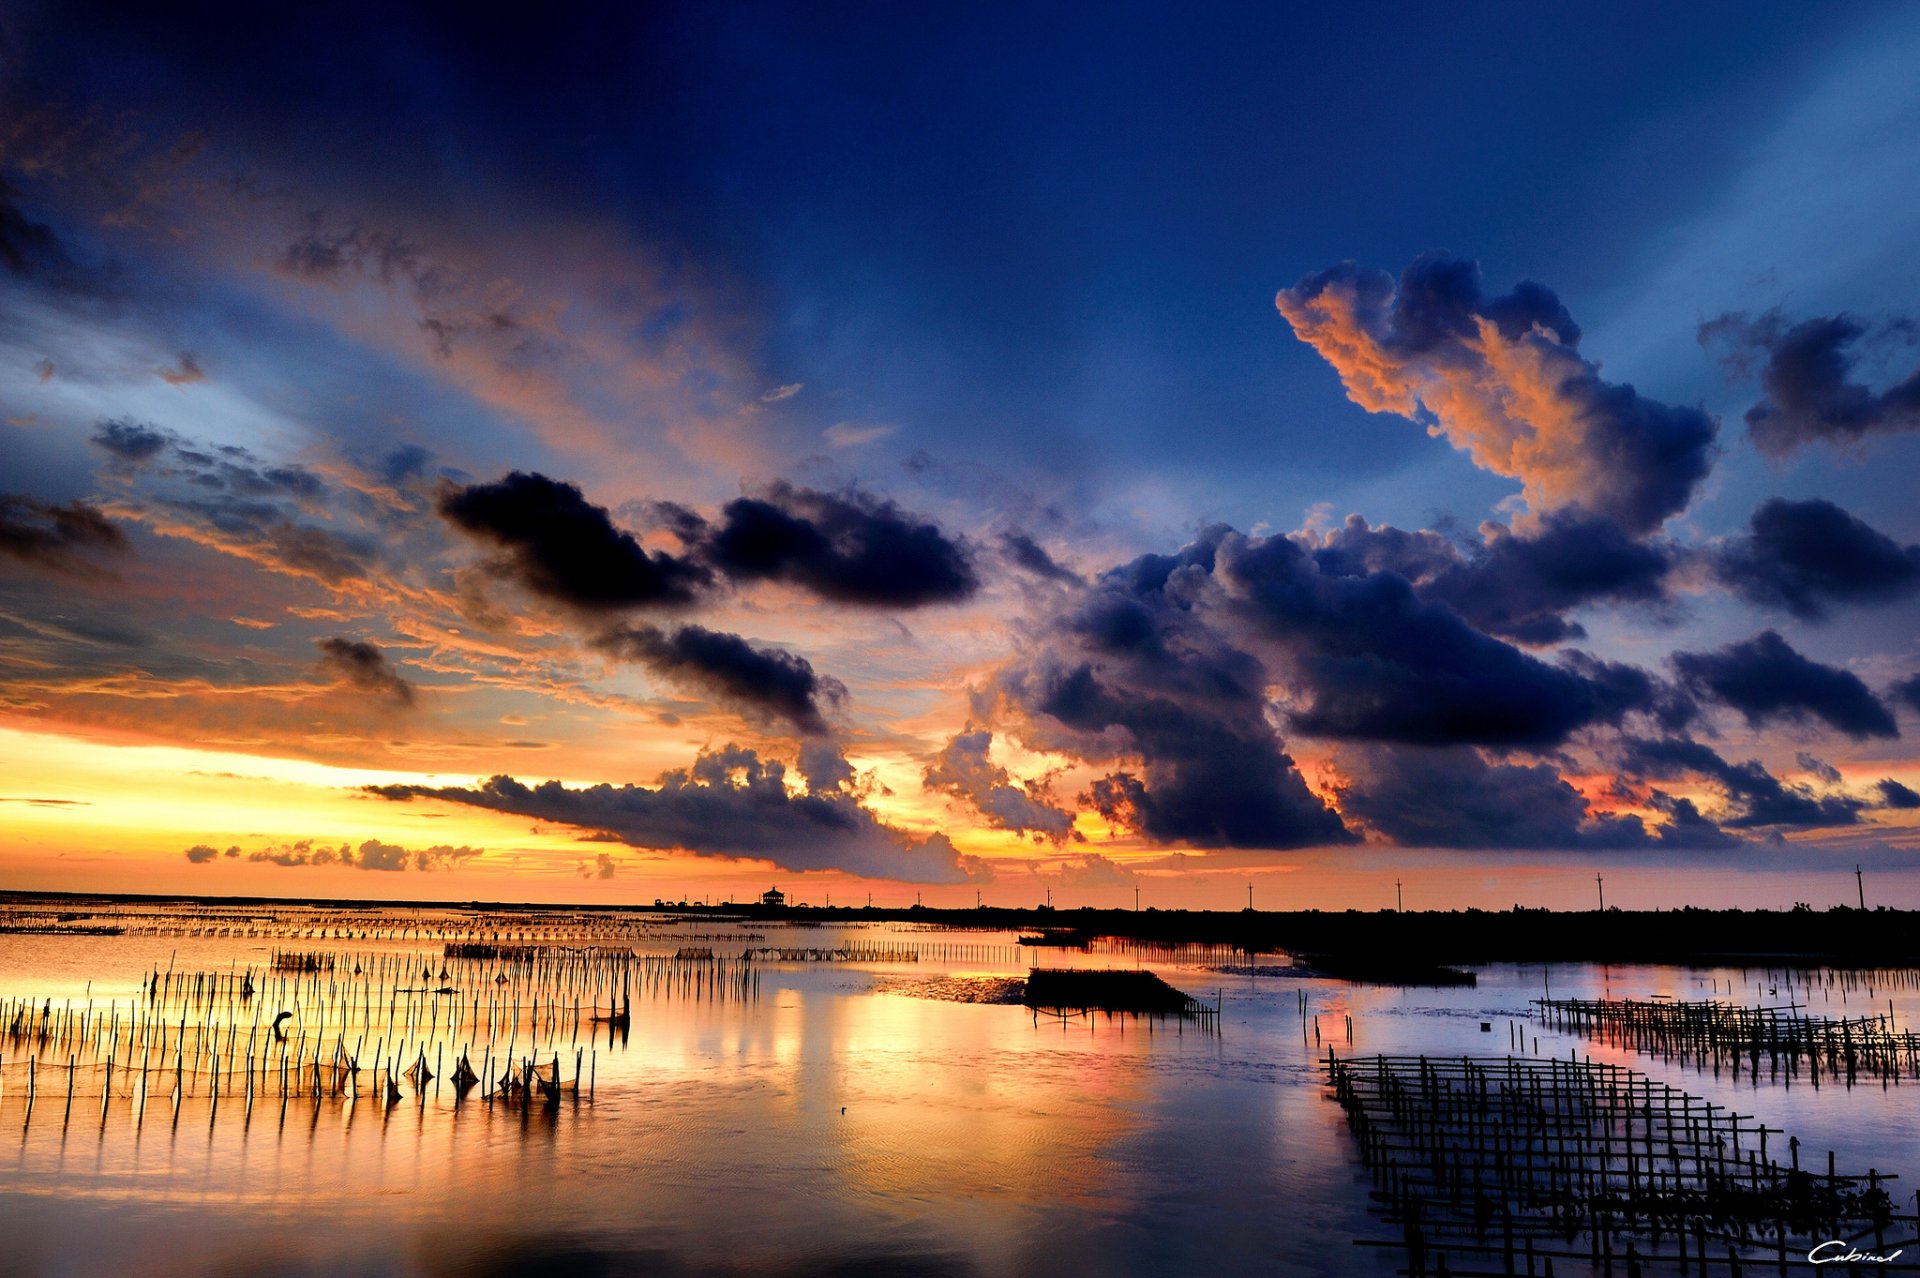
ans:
(1781, 1044)
(1505, 1165)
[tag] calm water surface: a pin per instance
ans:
(832, 1121)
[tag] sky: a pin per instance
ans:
(1101, 454)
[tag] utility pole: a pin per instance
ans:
(1399, 905)
(1136, 898)
(1862, 885)
(1249, 897)
(976, 898)
(1601, 884)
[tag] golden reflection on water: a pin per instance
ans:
(832, 1121)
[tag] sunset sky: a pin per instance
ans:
(879, 449)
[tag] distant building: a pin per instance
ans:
(773, 896)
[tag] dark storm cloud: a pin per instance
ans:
(1128, 670)
(1029, 554)
(963, 770)
(849, 548)
(561, 546)
(730, 803)
(761, 681)
(1807, 555)
(1502, 379)
(363, 666)
(1808, 381)
(1517, 585)
(56, 537)
(1453, 798)
(1521, 586)
(1755, 797)
(1767, 681)
(1907, 691)
(1895, 795)
(1376, 662)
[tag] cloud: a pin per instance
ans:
(1767, 681)
(1517, 585)
(1907, 691)
(779, 393)
(1809, 394)
(1895, 795)
(27, 247)
(1127, 670)
(1807, 555)
(1094, 871)
(184, 373)
(1453, 798)
(60, 538)
(962, 770)
(760, 681)
(1030, 555)
(1501, 379)
(132, 441)
(854, 434)
(1755, 797)
(361, 665)
(370, 855)
(730, 803)
(849, 548)
(565, 548)
(1371, 660)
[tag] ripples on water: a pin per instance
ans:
(862, 1115)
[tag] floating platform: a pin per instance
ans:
(1142, 993)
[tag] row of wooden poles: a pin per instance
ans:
(312, 1024)
(1516, 1162)
(1782, 1041)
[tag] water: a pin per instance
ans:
(825, 1121)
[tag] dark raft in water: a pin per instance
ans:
(1057, 989)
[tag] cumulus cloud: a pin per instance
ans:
(132, 441)
(1519, 585)
(1093, 871)
(760, 681)
(371, 854)
(1030, 555)
(362, 665)
(1754, 796)
(1810, 393)
(1806, 556)
(1371, 660)
(850, 548)
(1502, 379)
(1767, 681)
(1128, 670)
(962, 770)
(1895, 795)
(563, 547)
(1454, 798)
(61, 538)
(730, 803)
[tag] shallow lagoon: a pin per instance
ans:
(830, 1121)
